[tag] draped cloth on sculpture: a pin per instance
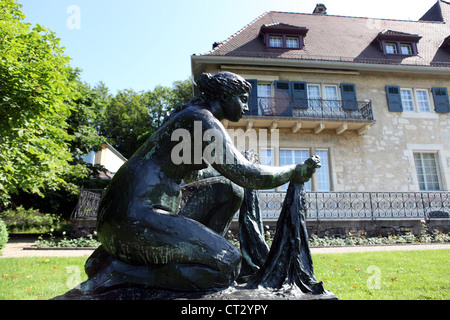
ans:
(289, 261)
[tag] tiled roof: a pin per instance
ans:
(346, 39)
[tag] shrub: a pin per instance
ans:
(22, 220)
(3, 235)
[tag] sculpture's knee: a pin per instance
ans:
(231, 267)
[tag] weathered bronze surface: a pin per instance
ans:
(166, 237)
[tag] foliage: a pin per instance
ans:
(3, 235)
(87, 104)
(25, 220)
(130, 117)
(82, 242)
(409, 237)
(35, 82)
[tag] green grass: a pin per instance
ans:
(388, 275)
(39, 278)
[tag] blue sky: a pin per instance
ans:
(138, 44)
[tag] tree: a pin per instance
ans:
(87, 105)
(35, 82)
(125, 119)
(131, 117)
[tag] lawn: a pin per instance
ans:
(387, 275)
(39, 278)
(392, 275)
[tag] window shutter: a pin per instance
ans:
(253, 99)
(299, 95)
(394, 99)
(283, 98)
(441, 101)
(348, 94)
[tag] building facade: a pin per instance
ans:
(369, 96)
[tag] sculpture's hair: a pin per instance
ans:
(221, 85)
(218, 86)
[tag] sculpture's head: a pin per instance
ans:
(231, 90)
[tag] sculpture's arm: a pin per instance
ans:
(230, 163)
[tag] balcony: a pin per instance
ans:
(314, 115)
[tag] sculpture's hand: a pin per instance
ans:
(305, 170)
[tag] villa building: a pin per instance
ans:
(369, 96)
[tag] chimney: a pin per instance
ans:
(320, 9)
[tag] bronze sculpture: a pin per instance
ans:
(160, 234)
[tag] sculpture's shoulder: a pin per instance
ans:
(193, 113)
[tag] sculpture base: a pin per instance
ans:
(231, 293)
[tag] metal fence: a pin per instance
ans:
(87, 206)
(363, 205)
(326, 205)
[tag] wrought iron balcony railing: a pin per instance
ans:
(312, 109)
(363, 205)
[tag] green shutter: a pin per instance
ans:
(394, 99)
(441, 101)
(299, 95)
(348, 94)
(253, 99)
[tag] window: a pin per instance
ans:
(284, 41)
(275, 41)
(331, 95)
(265, 101)
(407, 99)
(292, 42)
(427, 171)
(406, 49)
(282, 35)
(314, 95)
(291, 157)
(266, 158)
(422, 100)
(323, 174)
(391, 48)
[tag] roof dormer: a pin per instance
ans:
(398, 43)
(283, 36)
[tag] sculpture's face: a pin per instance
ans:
(235, 107)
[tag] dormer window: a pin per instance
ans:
(398, 43)
(292, 42)
(284, 36)
(275, 41)
(391, 48)
(406, 48)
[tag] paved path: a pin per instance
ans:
(16, 248)
(20, 248)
